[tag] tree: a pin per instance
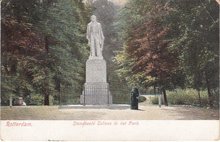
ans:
(171, 43)
(195, 33)
(21, 48)
(153, 63)
(43, 42)
(66, 24)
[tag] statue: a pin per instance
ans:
(95, 38)
(96, 88)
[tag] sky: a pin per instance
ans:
(119, 2)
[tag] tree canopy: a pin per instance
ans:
(170, 44)
(43, 48)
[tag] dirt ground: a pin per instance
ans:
(145, 112)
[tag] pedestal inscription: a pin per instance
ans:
(96, 70)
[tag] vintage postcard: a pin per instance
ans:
(109, 70)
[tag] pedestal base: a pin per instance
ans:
(96, 89)
(96, 94)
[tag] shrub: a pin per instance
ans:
(121, 98)
(184, 97)
(36, 99)
(141, 99)
(154, 100)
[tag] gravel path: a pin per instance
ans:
(145, 112)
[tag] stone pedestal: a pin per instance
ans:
(96, 89)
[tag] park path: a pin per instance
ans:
(150, 112)
(145, 112)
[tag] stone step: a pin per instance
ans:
(111, 106)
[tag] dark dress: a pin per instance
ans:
(134, 98)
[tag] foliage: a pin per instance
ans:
(187, 97)
(35, 99)
(170, 44)
(141, 99)
(184, 97)
(153, 64)
(71, 49)
(43, 48)
(166, 43)
(154, 100)
(195, 34)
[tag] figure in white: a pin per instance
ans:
(95, 37)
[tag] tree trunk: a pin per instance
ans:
(46, 98)
(46, 44)
(208, 90)
(165, 97)
(155, 90)
(46, 87)
(59, 90)
(200, 104)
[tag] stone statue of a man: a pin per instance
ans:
(95, 37)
